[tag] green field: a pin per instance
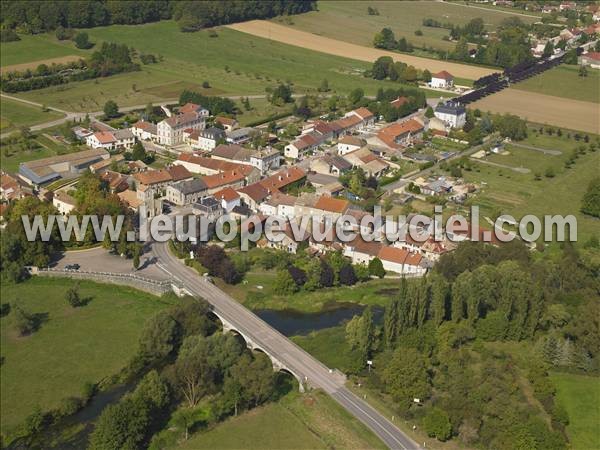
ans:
(564, 81)
(349, 21)
(330, 347)
(518, 194)
(311, 421)
(234, 63)
(36, 48)
(14, 114)
(71, 347)
(580, 396)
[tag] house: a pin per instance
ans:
(367, 118)
(347, 144)
(130, 199)
(186, 192)
(266, 160)
(208, 207)
(115, 181)
(442, 80)
(64, 203)
(194, 108)
(203, 165)
(239, 136)
(111, 140)
(228, 197)
(144, 131)
(401, 261)
(240, 212)
(153, 183)
(320, 128)
(330, 165)
(105, 164)
(330, 207)
(288, 244)
(303, 145)
(361, 251)
(437, 187)
(231, 178)
(232, 152)
(205, 139)
(228, 123)
(173, 130)
(42, 171)
(283, 179)
(399, 102)
(453, 114)
(12, 188)
(401, 134)
(253, 195)
(81, 133)
(367, 161)
(279, 204)
(590, 59)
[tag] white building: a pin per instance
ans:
(442, 80)
(348, 144)
(171, 130)
(452, 114)
(144, 130)
(111, 140)
(64, 203)
(207, 139)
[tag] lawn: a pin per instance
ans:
(310, 421)
(234, 63)
(518, 194)
(349, 21)
(14, 114)
(71, 347)
(261, 109)
(34, 48)
(555, 81)
(580, 396)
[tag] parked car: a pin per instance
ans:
(72, 267)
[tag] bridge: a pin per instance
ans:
(284, 354)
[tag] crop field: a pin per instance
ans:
(544, 109)
(14, 114)
(506, 191)
(564, 81)
(349, 21)
(274, 31)
(233, 63)
(71, 346)
(37, 49)
(14, 154)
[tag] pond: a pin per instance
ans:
(290, 322)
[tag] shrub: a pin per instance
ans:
(437, 424)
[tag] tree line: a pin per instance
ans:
(32, 17)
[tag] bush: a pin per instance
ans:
(437, 424)
(82, 41)
(376, 268)
(24, 322)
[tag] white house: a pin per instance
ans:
(171, 130)
(301, 146)
(206, 139)
(401, 261)
(442, 80)
(64, 203)
(144, 130)
(228, 197)
(348, 144)
(453, 114)
(111, 140)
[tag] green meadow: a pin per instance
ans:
(564, 81)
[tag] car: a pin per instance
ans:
(72, 267)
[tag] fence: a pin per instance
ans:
(132, 280)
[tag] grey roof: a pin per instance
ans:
(239, 133)
(190, 186)
(212, 133)
(321, 179)
(453, 108)
(242, 210)
(123, 134)
(338, 161)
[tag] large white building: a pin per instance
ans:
(111, 140)
(171, 130)
(453, 114)
(442, 80)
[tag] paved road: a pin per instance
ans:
(289, 354)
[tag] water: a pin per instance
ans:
(290, 322)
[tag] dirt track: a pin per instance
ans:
(32, 65)
(558, 111)
(291, 36)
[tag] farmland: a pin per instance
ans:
(13, 154)
(540, 108)
(71, 347)
(306, 40)
(36, 48)
(14, 114)
(509, 192)
(554, 81)
(233, 63)
(349, 21)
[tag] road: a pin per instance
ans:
(274, 343)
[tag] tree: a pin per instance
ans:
(122, 425)
(136, 260)
(184, 418)
(158, 337)
(385, 39)
(360, 334)
(24, 322)
(72, 296)
(429, 113)
(405, 376)
(347, 275)
(324, 86)
(284, 283)
(82, 41)
(193, 371)
(376, 268)
(590, 203)
(111, 109)
(356, 95)
(437, 424)
(548, 49)
(426, 76)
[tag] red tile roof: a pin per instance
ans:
(392, 254)
(179, 172)
(209, 163)
(330, 204)
(227, 194)
(444, 75)
(283, 178)
(363, 113)
(150, 177)
(399, 102)
(226, 121)
(105, 137)
(228, 177)
(255, 191)
(189, 107)
(593, 55)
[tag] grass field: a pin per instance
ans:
(233, 63)
(329, 346)
(15, 114)
(554, 81)
(580, 396)
(311, 421)
(519, 194)
(39, 47)
(71, 347)
(12, 155)
(349, 21)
